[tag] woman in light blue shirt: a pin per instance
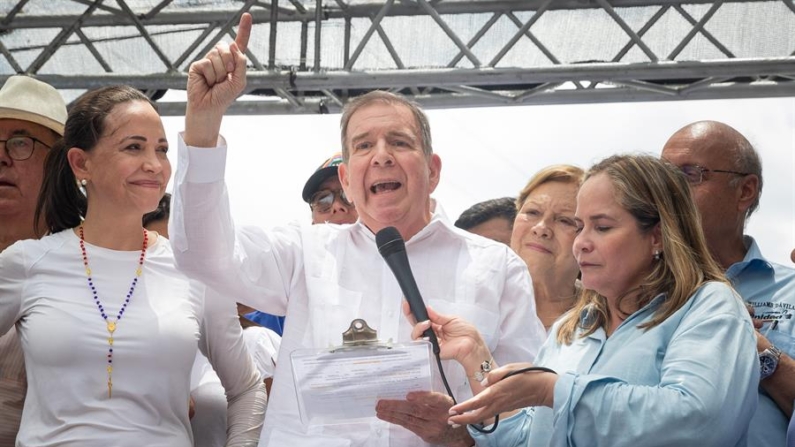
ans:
(659, 349)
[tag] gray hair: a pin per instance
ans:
(746, 159)
(379, 96)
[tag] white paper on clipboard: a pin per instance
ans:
(344, 386)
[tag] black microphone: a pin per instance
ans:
(393, 250)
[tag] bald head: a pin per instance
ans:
(721, 143)
(726, 181)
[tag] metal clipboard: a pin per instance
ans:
(342, 384)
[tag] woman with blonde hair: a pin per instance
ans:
(543, 233)
(658, 350)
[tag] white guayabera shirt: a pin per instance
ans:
(324, 276)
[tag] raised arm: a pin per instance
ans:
(251, 265)
(214, 83)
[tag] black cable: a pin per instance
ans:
(497, 416)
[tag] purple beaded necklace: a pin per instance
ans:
(111, 324)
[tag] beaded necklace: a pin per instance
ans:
(111, 324)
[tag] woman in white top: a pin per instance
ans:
(108, 326)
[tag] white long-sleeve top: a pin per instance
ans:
(324, 276)
(44, 292)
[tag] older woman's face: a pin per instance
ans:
(544, 229)
(613, 253)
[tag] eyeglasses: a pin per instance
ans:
(322, 201)
(21, 148)
(695, 173)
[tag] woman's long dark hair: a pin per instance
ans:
(61, 202)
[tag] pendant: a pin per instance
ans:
(110, 380)
(111, 327)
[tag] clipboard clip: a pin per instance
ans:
(361, 336)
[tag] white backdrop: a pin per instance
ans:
(492, 152)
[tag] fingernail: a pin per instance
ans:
(453, 424)
(452, 412)
(485, 382)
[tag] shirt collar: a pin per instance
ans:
(588, 312)
(753, 260)
(438, 220)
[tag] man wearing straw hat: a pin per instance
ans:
(32, 117)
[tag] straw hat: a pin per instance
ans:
(24, 98)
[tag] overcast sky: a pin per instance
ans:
(492, 152)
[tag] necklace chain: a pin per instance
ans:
(110, 325)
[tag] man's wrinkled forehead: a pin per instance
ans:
(361, 126)
(14, 127)
(704, 152)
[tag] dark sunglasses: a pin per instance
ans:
(322, 201)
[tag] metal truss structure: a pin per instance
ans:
(310, 56)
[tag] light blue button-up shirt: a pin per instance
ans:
(770, 288)
(689, 381)
(791, 432)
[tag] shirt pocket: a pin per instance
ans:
(331, 310)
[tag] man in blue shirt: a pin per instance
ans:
(725, 176)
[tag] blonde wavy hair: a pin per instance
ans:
(554, 173)
(655, 193)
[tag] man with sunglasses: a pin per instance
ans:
(32, 116)
(323, 192)
(725, 175)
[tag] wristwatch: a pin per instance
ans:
(768, 361)
(485, 368)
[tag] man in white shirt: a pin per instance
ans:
(32, 116)
(324, 276)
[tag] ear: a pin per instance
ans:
(78, 161)
(748, 192)
(342, 173)
(435, 169)
(656, 239)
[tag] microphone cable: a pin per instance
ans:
(479, 427)
(393, 249)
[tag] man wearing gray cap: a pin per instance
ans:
(32, 117)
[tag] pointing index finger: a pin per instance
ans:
(243, 32)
